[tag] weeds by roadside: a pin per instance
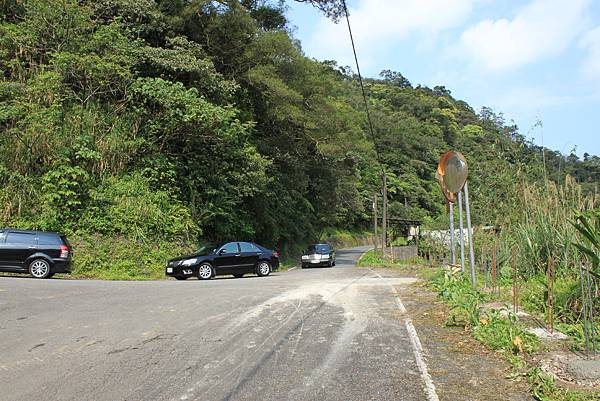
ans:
(498, 329)
(373, 258)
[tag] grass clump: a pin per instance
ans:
(499, 330)
(576, 333)
(464, 300)
(342, 238)
(544, 388)
(374, 258)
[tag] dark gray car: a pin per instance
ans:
(318, 255)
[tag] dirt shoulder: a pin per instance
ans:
(461, 367)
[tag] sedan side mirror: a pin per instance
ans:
(222, 251)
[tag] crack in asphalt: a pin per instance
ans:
(140, 345)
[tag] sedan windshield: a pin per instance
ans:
(205, 249)
(319, 248)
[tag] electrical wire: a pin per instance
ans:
(373, 137)
(362, 87)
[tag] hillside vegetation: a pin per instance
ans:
(147, 126)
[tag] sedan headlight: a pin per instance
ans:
(324, 256)
(305, 257)
(189, 262)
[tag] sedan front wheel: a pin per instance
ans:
(205, 271)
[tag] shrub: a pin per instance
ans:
(119, 258)
(128, 206)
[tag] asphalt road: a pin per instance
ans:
(313, 334)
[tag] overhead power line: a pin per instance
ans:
(373, 137)
(362, 87)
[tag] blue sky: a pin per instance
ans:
(528, 59)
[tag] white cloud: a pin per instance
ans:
(534, 99)
(540, 30)
(591, 64)
(379, 24)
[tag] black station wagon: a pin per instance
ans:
(38, 253)
(235, 258)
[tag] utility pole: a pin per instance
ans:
(375, 219)
(384, 222)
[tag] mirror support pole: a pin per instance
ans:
(470, 236)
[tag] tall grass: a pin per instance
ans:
(543, 227)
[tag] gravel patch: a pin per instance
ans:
(572, 368)
(544, 334)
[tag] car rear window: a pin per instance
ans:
(65, 241)
(49, 239)
(246, 247)
(20, 238)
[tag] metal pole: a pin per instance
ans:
(550, 268)
(462, 236)
(515, 288)
(591, 309)
(470, 237)
(494, 264)
(452, 239)
(417, 239)
(375, 219)
(384, 222)
(585, 315)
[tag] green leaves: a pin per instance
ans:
(128, 206)
(208, 146)
(101, 68)
(588, 226)
(182, 60)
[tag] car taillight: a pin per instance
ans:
(276, 254)
(64, 251)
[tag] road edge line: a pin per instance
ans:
(418, 351)
(417, 348)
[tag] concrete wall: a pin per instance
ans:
(405, 252)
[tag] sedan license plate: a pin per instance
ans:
(169, 270)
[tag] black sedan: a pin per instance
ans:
(318, 255)
(235, 258)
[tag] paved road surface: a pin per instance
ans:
(313, 334)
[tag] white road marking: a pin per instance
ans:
(417, 348)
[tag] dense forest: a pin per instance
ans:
(197, 120)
